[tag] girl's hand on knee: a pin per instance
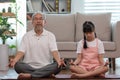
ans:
(72, 63)
(107, 63)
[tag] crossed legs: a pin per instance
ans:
(78, 72)
(26, 71)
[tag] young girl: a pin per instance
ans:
(90, 50)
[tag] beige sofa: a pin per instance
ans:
(68, 31)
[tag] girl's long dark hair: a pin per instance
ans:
(88, 26)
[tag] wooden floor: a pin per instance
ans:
(11, 74)
(110, 75)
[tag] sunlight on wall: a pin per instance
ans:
(21, 30)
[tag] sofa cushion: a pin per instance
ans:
(62, 25)
(101, 22)
(109, 46)
(63, 46)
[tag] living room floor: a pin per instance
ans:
(11, 74)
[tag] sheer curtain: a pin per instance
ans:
(97, 6)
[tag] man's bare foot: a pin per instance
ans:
(52, 76)
(24, 76)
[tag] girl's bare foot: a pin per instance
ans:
(102, 75)
(75, 75)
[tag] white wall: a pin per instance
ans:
(21, 30)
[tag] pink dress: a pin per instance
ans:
(90, 60)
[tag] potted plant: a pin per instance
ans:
(5, 32)
(5, 29)
(12, 51)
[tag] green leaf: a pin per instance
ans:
(12, 46)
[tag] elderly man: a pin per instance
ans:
(38, 49)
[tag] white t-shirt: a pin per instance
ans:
(37, 49)
(91, 44)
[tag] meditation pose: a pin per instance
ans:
(90, 51)
(37, 56)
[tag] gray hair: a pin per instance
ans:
(43, 15)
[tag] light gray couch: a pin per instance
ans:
(68, 31)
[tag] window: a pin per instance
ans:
(97, 6)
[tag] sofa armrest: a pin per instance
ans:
(116, 32)
(115, 36)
